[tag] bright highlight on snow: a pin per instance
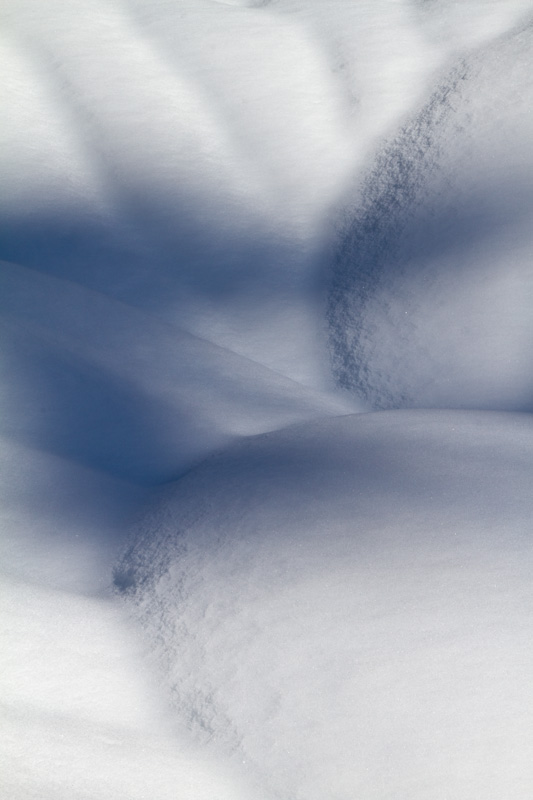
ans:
(265, 433)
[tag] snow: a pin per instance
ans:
(126, 393)
(347, 603)
(265, 432)
(442, 240)
(63, 651)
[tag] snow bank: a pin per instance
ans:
(346, 604)
(80, 714)
(184, 158)
(430, 294)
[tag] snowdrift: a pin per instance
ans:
(430, 293)
(345, 604)
(338, 610)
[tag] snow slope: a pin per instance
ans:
(436, 254)
(346, 604)
(80, 716)
(118, 390)
(177, 177)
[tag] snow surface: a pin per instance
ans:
(348, 604)
(437, 255)
(227, 228)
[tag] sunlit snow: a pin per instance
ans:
(265, 435)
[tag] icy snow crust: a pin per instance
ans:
(227, 229)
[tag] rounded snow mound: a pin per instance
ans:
(346, 605)
(430, 293)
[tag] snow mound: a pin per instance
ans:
(346, 605)
(430, 293)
